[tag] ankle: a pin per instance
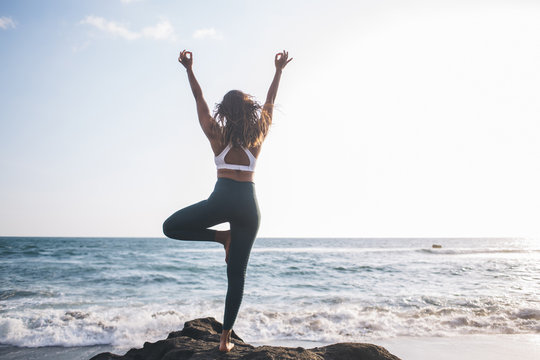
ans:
(222, 236)
(226, 335)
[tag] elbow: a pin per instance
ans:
(198, 96)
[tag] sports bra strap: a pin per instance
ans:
(221, 164)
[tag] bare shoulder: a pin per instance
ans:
(216, 144)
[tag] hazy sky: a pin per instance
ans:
(395, 118)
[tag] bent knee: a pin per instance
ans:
(167, 228)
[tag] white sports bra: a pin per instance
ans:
(221, 164)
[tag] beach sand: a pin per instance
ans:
(470, 347)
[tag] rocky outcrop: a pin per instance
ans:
(199, 340)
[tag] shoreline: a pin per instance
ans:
(467, 347)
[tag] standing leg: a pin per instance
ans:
(244, 226)
(242, 240)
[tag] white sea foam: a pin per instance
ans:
(129, 326)
(358, 323)
(132, 326)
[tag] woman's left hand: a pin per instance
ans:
(282, 59)
(186, 60)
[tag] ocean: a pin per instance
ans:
(117, 293)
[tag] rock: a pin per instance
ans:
(358, 351)
(436, 246)
(199, 340)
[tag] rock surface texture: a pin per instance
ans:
(199, 340)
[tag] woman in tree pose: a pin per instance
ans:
(236, 133)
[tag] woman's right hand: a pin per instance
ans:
(186, 60)
(281, 60)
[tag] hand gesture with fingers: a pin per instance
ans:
(282, 59)
(186, 59)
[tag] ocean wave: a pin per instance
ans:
(356, 250)
(477, 251)
(355, 269)
(305, 290)
(12, 294)
(130, 326)
(344, 324)
(310, 250)
(133, 325)
(528, 313)
(306, 250)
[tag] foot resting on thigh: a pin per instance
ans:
(225, 344)
(224, 238)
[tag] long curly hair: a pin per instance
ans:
(240, 120)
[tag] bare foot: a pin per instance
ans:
(224, 238)
(225, 344)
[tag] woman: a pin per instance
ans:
(236, 132)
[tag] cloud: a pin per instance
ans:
(209, 33)
(110, 27)
(7, 22)
(161, 31)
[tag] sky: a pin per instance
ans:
(395, 118)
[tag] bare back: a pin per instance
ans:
(235, 156)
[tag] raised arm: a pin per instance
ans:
(281, 60)
(205, 119)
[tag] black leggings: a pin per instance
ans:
(234, 202)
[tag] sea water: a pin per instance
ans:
(125, 291)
